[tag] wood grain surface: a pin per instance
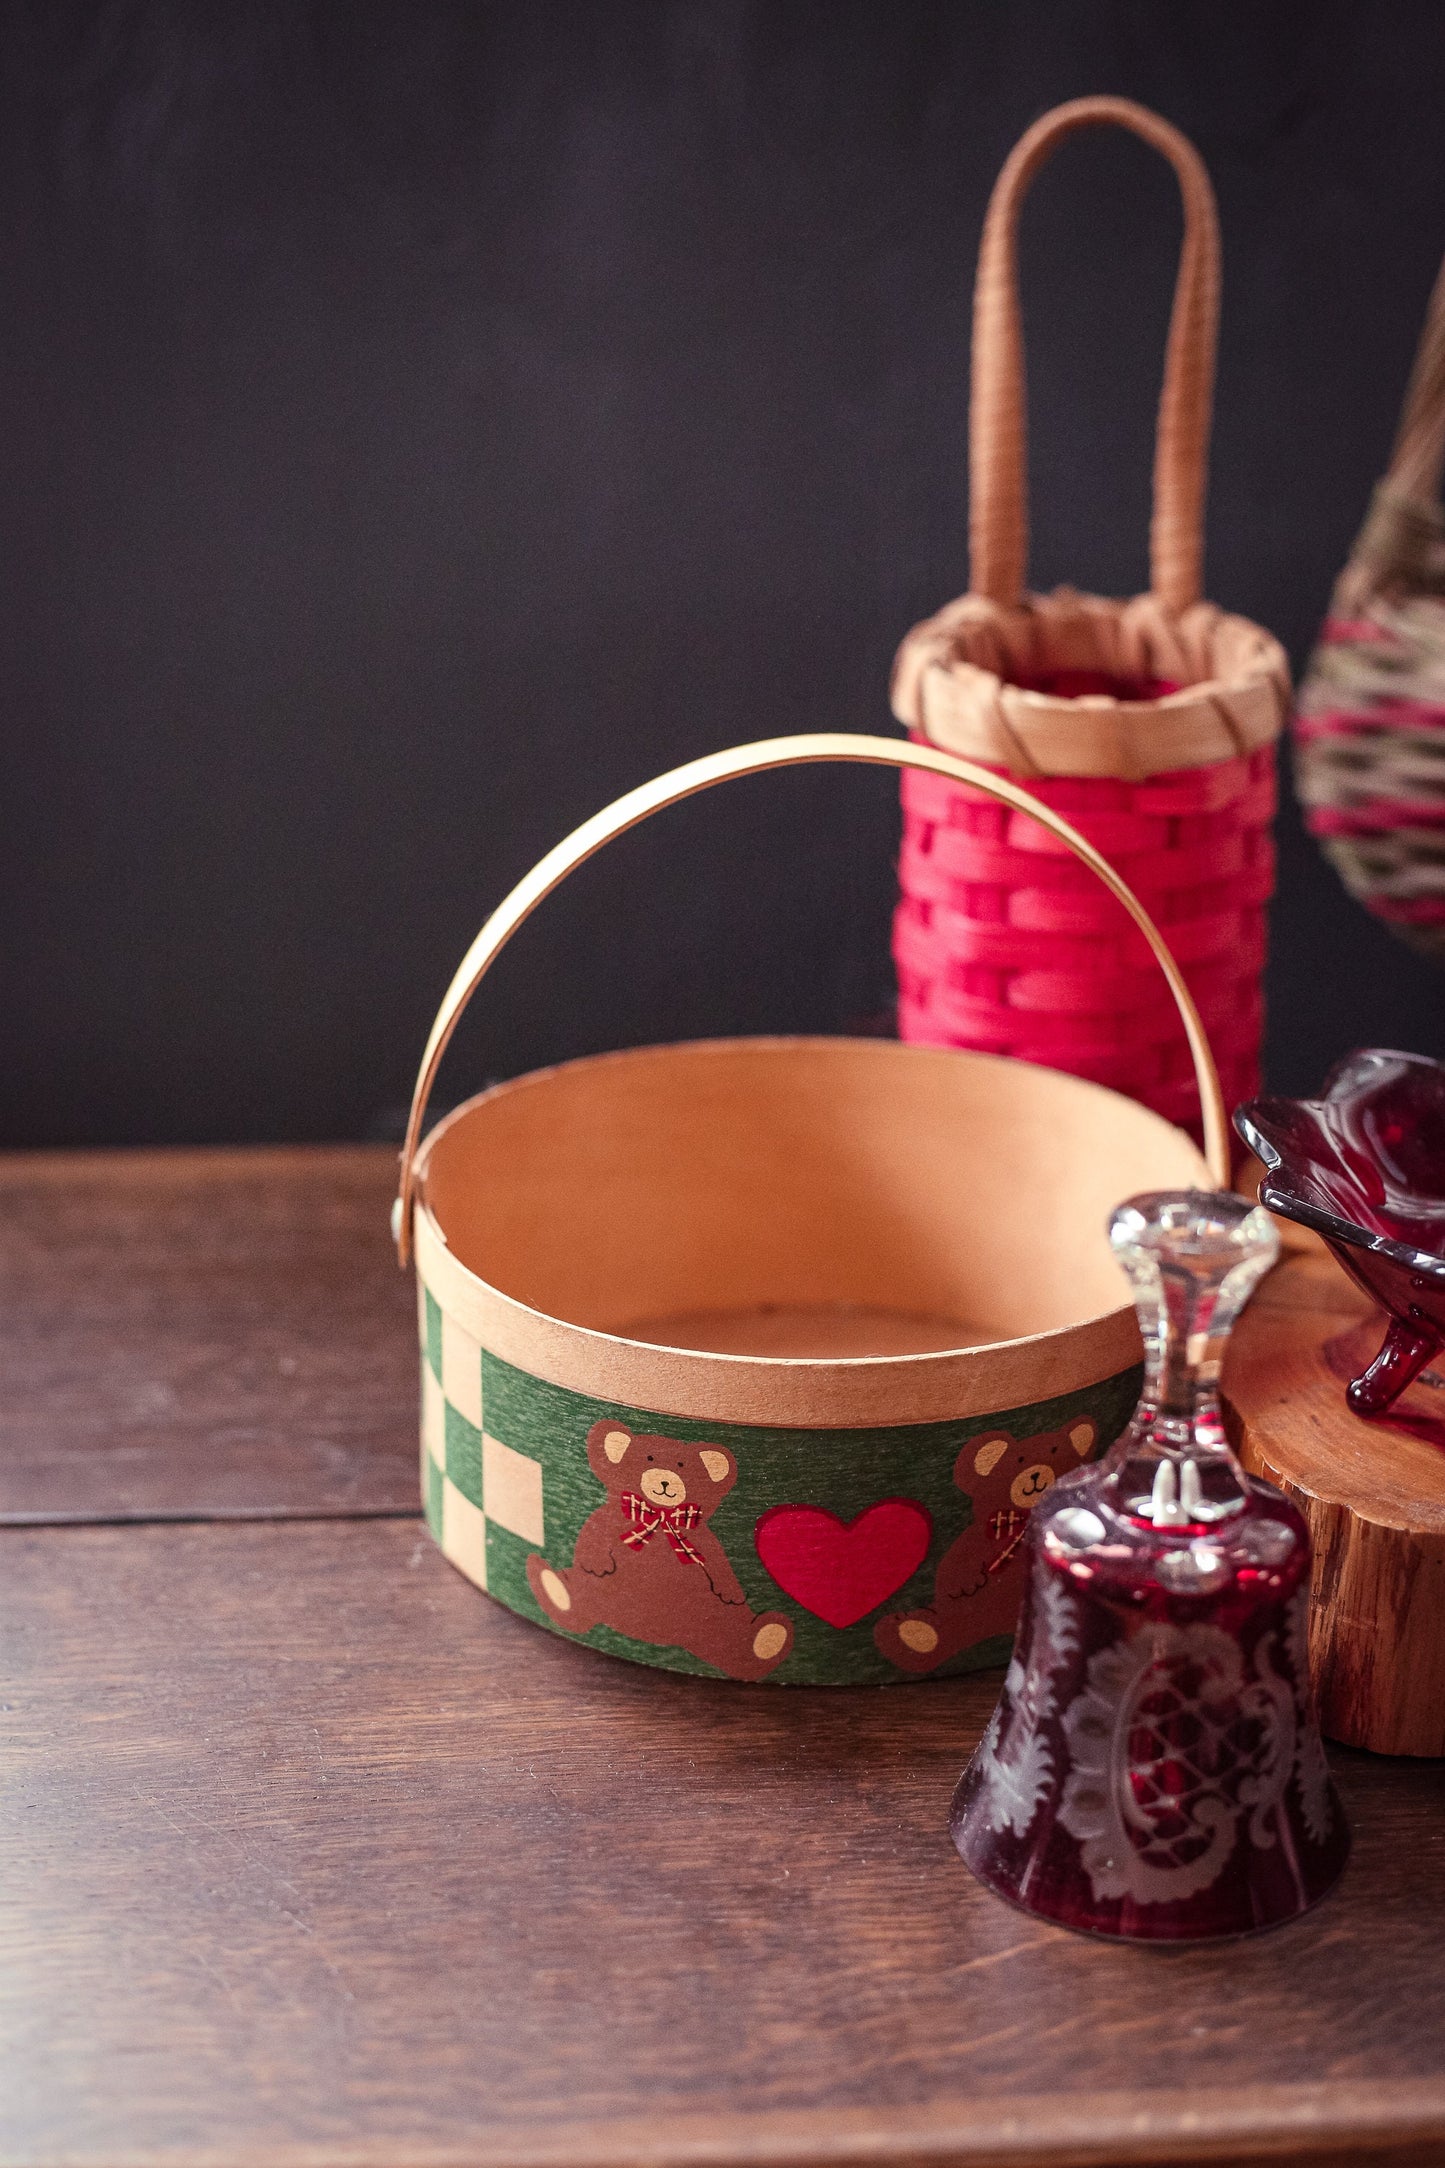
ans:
(315, 1855)
(1373, 1494)
(203, 1333)
(315, 1858)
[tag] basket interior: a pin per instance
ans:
(1076, 684)
(1068, 646)
(821, 1197)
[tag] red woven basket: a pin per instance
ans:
(1150, 724)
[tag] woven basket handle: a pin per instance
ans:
(998, 477)
(1419, 455)
(626, 812)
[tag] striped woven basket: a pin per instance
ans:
(1150, 724)
(1370, 735)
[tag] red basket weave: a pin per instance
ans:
(999, 946)
(1150, 724)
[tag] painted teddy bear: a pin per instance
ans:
(979, 1583)
(647, 1564)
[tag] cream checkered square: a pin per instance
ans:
(462, 1371)
(512, 1487)
(421, 1313)
(464, 1534)
(433, 1418)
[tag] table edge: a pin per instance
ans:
(1359, 2121)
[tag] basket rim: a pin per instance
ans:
(822, 1391)
(972, 709)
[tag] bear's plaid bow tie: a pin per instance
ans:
(1007, 1527)
(649, 1520)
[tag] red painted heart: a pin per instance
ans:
(842, 1570)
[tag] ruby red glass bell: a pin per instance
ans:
(1154, 1770)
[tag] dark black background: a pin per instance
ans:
(421, 421)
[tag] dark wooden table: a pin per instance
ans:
(314, 1856)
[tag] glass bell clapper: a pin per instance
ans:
(1153, 1769)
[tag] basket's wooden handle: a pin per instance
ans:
(626, 812)
(1419, 455)
(998, 476)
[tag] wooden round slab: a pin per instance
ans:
(1372, 1492)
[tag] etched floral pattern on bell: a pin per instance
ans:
(1153, 1769)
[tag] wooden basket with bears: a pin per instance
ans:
(750, 1357)
(1151, 724)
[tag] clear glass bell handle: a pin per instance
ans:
(1193, 1258)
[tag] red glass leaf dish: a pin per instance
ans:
(1364, 1166)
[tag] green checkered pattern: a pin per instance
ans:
(504, 1473)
